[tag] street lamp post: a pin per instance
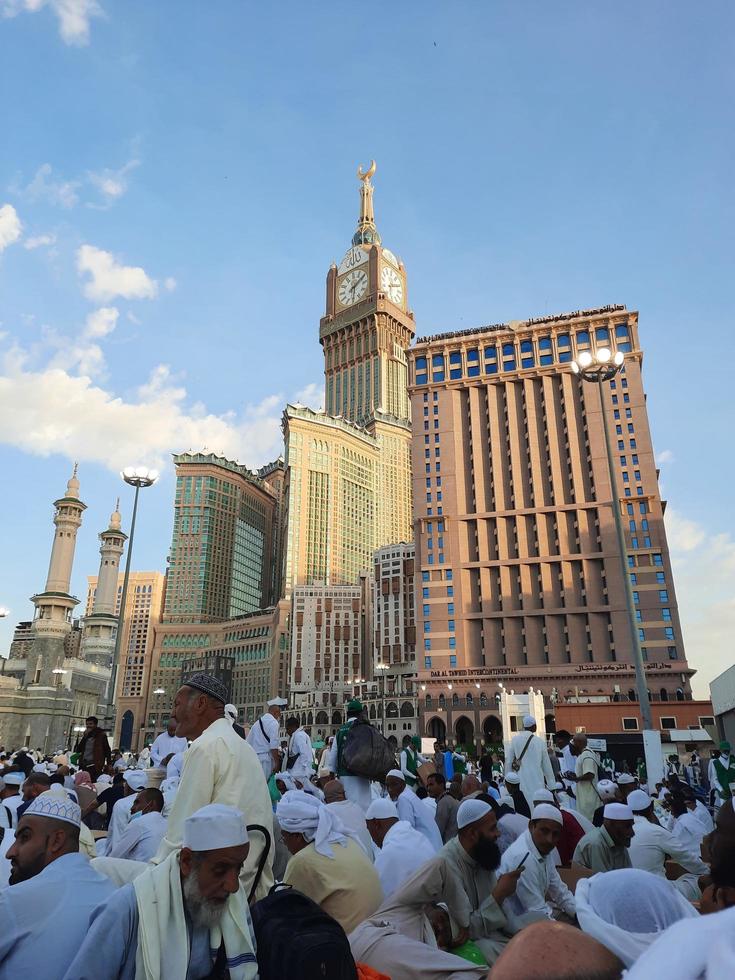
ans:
(382, 668)
(139, 477)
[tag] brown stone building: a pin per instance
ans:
(517, 565)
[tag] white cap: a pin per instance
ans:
(543, 796)
(617, 811)
(529, 721)
(136, 779)
(14, 778)
(56, 805)
(470, 811)
(607, 790)
(397, 774)
(546, 811)
(277, 703)
(40, 767)
(513, 778)
(625, 779)
(231, 711)
(638, 800)
(213, 827)
(381, 809)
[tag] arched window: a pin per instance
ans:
(664, 694)
(631, 695)
(442, 701)
(483, 699)
(407, 709)
(679, 694)
(469, 700)
(428, 701)
(455, 700)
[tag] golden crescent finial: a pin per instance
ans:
(368, 173)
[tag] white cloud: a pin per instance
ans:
(170, 283)
(49, 410)
(74, 16)
(44, 187)
(665, 456)
(108, 278)
(39, 241)
(10, 226)
(111, 184)
(704, 575)
(312, 395)
(101, 322)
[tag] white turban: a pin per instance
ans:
(470, 811)
(607, 790)
(547, 811)
(299, 813)
(381, 809)
(626, 910)
(529, 721)
(543, 796)
(136, 779)
(639, 801)
(231, 712)
(513, 778)
(625, 779)
(287, 779)
(397, 774)
(617, 811)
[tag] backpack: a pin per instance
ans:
(366, 752)
(296, 938)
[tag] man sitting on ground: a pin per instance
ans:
(187, 917)
(402, 849)
(141, 838)
(350, 814)
(606, 847)
(411, 809)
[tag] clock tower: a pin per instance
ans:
(368, 327)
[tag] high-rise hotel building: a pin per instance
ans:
(518, 572)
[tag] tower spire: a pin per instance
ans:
(367, 232)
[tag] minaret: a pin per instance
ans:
(100, 627)
(55, 604)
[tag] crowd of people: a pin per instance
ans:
(221, 851)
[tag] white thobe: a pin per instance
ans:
(299, 745)
(689, 830)
(403, 852)
(118, 821)
(141, 838)
(567, 765)
(702, 813)
(588, 799)
(356, 788)
(411, 808)
(353, 818)
(539, 880)
(535, 771)
(5, 844)
(173, 769)
(652, 844)
(12, 803)
(220, 767)
(165, 745)
(263, 739)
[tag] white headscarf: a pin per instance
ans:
(627, 910)
(702, 948)
(300, 813)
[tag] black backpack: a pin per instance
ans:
(297, 940)
(366, 752)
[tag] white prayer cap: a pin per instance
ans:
(529, 721)
(543, 796)
(381, 809)
(617, 811)
(397, 774)
(607, 790)
(56, 805)
(136, 779)
(625, 779)
(638, 800)
(470, 811)
(277, 703)
(14, 778)
(104, 778)
(213, 827)
(231, 711)
(546, 811)
(39, 767)
(513, 778)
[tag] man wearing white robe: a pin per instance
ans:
(12, 782)
(299, 757)
(357, 788)
(585, 775)
(179, 918)
(45, 911)
(350, 814)
(411, 809)
(143, 835)
(166, 746)
(652, 844)
(263, 737)
(530, 751)
(402, 850)
(135, 781)
(219, 767)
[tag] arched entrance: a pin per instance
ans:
(492, 729)
(464, 731)
(126, 731)
(437, 729)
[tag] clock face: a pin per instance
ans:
(353, 258)
(353, 287)
(391, 284)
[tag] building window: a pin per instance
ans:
(450, 608)
(663, 595)
(668, 722)
(424, 576)
(602, 333)
(427, 608)
(706, 721)
(630, 724)
(641, 635)
(657, 559)
(636, 600)
(427, 666)
(660, 578)
(671, 653)
(669, 631)
(427, 644)
(452, 660)
(583, 338)
(646, 541)
(452, 642)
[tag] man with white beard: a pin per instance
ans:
(186, 917)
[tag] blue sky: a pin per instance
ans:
(175, 179)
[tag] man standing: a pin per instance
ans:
(45, 913)
(186, 918)
(93, 748)
(585, 777)
(723, 775)
(356, 788)
(472, 858)
(563, 742)
(411, 759)
(167, 745)
(446, 806)
(142, 837)
(219, 767)
(606, 847)
(402, 850)
(411, 809)
(263, 737)
(299, 759)
(528, 755)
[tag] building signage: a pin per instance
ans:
(616, 668)
(471, 675)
